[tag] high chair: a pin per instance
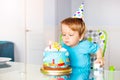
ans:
(99, 37)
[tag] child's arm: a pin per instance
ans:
(99, 57)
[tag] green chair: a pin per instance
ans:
(99, 37)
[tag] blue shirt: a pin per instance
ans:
(80, 54)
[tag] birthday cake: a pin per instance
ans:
(55, 57)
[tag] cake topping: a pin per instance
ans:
(54, 46)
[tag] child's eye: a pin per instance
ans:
(71, 35)
(63, 34)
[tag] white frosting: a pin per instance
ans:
(54, 49)
(62, 49)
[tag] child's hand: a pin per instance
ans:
(100, 61)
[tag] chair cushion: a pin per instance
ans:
(97, 36)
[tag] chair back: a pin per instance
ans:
(99, 37)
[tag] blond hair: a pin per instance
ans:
(76, 24)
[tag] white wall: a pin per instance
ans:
(99, 12)
(104, 14)
(12, 25)
(35, 36)
(62, 10)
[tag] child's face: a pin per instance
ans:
(70, 37)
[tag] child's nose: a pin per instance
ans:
(67, 37)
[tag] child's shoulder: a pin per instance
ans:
(87, 43)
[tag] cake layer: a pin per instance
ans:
(49, 68)
(56, 59)
(56, 72)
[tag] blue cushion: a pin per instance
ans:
(7, 49)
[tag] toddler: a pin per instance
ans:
(73, 31)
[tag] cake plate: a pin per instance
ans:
(56, 72)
